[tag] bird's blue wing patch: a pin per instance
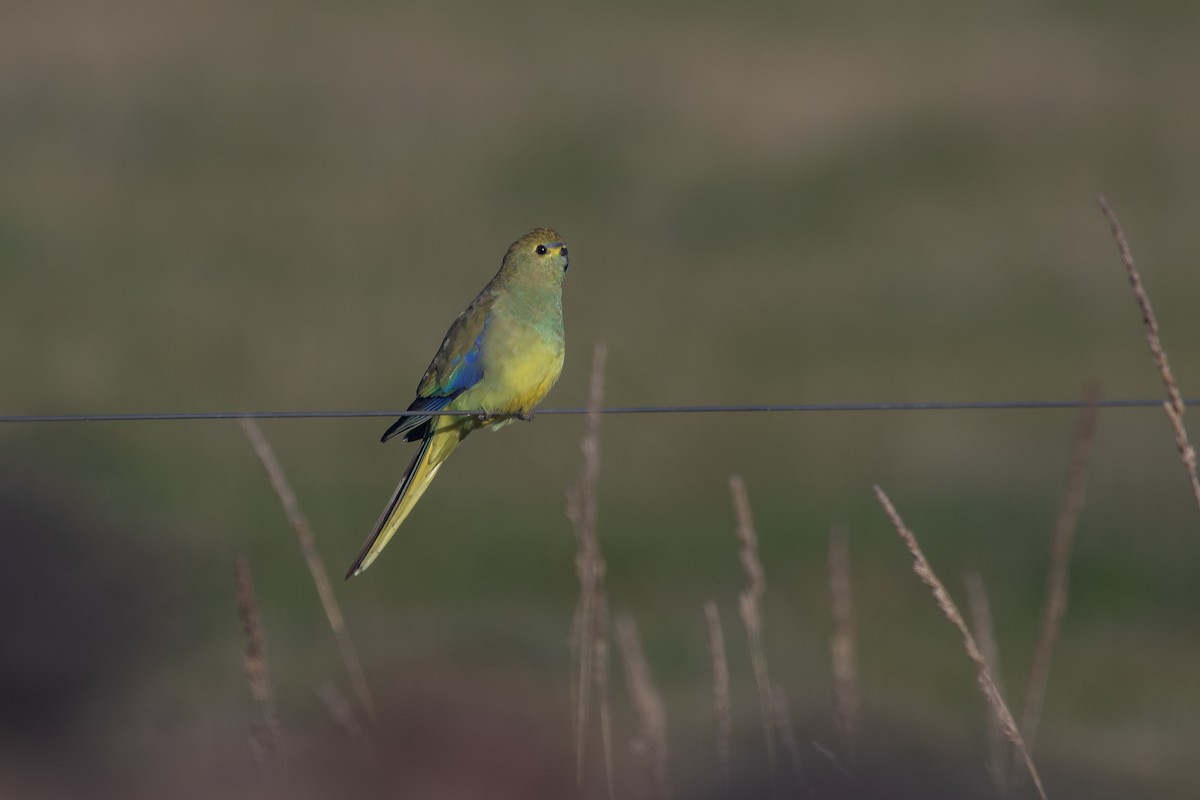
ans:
(463, 371)
(466, 369)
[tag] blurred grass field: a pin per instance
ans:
(218, 207)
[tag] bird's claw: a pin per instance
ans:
(525, 416)
(484, 416)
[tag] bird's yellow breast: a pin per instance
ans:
(521, 366)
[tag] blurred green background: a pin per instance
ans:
(227, 206)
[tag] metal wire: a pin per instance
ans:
(755, 408)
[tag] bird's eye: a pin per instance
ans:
(541, 249)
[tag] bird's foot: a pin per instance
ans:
(485, 417)
(526, 416)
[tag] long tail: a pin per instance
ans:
(433, 451)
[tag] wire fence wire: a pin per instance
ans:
(750, 408)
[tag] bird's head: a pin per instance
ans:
(539, 255)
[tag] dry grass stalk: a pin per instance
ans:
(841, 643)
(574, 640)
(600, 662)
(721, 706)
(1057, 579)
(832, 758)
(985, 633)
(750, 608)
(1174, 403)
(264, 736)
(316, 567)
(987, 684)
(647, 702)
(589, 637)
(783, 723)
(339, 709)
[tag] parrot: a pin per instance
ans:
(500, 358)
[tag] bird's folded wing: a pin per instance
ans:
(457, 367)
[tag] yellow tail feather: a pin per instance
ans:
(434, 450)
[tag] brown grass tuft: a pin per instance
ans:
(987, 684)
(1173, 405)
(264, 736)
(750, 608)
(722, 713)
(648, 702)
(316, 567)
(589, 633)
